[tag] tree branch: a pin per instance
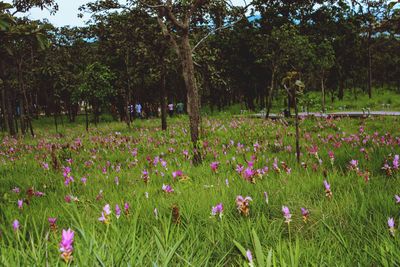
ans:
(167, 34)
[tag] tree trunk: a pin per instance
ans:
(296, 111)
(4, 109)
(192, 95)
(128, 93)
(163, 100)
(271, 90)
(369, 66)
(341, 88)
(87, 118)
(323, 93)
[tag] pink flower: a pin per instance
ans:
(177, 173)
(66, 248)
(45, 166)
(15, 225)
(214, 166)
(105, 215)
(243, 204)
(396, 163)
(217, 210)
(52, 222)
(397, 198)
(167, 188)
(16, 190)
(305, 214)
(116, 180)
(145, 176)
(249, 258)
(239, 168)
(117, 211)
(286, 214)
(126, 208)
(20, 203)
(84, 180)
(391, 226)
(327, 189)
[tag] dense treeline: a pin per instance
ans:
(138, 53)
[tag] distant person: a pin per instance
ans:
(138, 108)
(171, 109)
(179, 108)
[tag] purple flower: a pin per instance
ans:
(52, 222)
(305, 212)
(227, 182)
(167, 188)
(105, 215)
(397, 197)
(45, 166)
(391, 226)
(177, 173)
(396, 163)
(117, 211)
(15, 225)
(66, 248)
(20, 203)
(126, 208)
(214, 166)
(84, 180)
(248, 173)
(116, 180)
(286, 214)
(243, 204)
(249, 257)
(16, 190)
(217, 210)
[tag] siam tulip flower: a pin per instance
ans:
(354, 165)
(227, 182)
(176, 174)
(126, 208)
(275, 166)
(117, 211)
(397, 198)
(250, 258)
(84, 180)
(327, 189)
(15, 225)
(104, 170)
(16, 190)
(105, 215)
(217, 210)
(145, 176)
(20, 204)
(67, 198)
(52, 222)
(286, 214)
(396, 163)
(266, 197)
(386, 167)
(39, 194)
(167, 188)
(155, 211)
(243, 204)
(99, 196)
(248, 174)
(116, 180)
(66, 248)
(239, 168)
(45, 166)
(331, 156)
(163, 163)
(69, 161)
(214, 166)
(391, 226)
(306, 213)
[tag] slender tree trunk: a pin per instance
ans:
(270, 93)
(341, 88)
(4, 109)
(163, 100)
(296, 111)
(192, 96)
(369, 62)
(323, 93)
(87, 118)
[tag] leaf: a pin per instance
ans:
(258, 249)
(241, 248)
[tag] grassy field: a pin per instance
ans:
(249, 157)
(353, 100)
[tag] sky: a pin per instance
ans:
(67, 13)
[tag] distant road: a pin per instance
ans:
(352, 114)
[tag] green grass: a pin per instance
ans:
(348, 230)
